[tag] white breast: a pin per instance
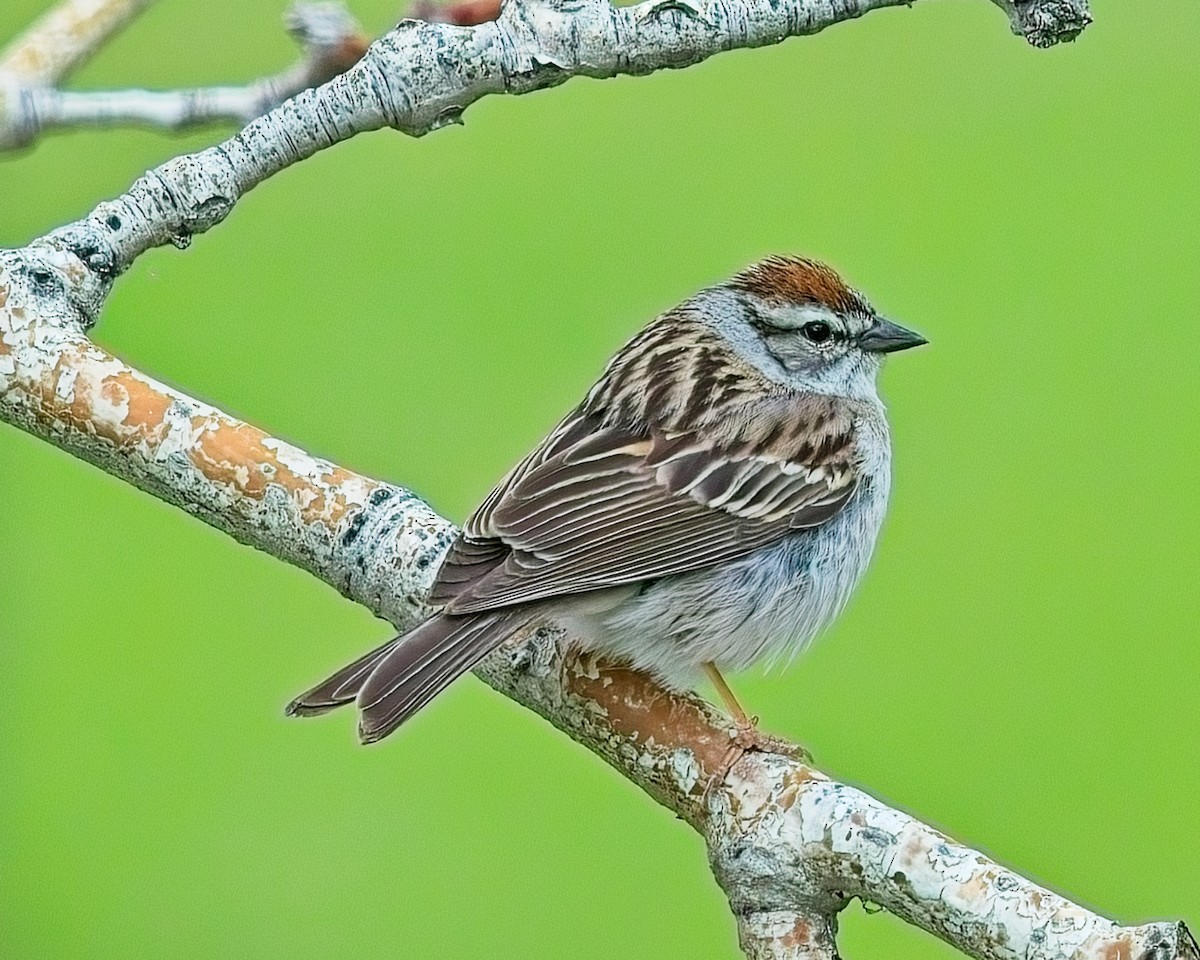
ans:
(766, 606)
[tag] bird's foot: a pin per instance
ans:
(748, 738)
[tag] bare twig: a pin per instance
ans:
(63, 39)
(788, 845)
(330, 39)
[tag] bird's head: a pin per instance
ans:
(798, 322)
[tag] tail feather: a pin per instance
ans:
(342, 687)
(395, 680)
(423, 664)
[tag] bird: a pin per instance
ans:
(712, 502)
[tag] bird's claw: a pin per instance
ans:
(747, 738)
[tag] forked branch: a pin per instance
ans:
(32, 102)
(330, 41)
(787, 844)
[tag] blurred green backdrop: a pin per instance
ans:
(1019, 666)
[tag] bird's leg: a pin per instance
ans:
(748, 736)
(740, 717)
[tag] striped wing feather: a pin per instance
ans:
(600, 505)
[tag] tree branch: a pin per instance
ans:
(30, 104)
(787, 935)
(63, 40)
(422, 76)
(330, 39)
(1046, 22)
(788, 845)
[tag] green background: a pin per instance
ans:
(1019, 666)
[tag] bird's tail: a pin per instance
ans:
(394, 681)
(342, 687)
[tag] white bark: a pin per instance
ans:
(422, 76)
(330, 40)
(30, 103)
(64, 38)
(788, 845)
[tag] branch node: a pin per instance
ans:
(54, 280)
(18, 122)
(329, 34)
(1043, 23)
(686, 7)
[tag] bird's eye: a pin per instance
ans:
(817, 331)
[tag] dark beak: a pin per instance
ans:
(883, 336)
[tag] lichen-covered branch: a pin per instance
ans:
(31, 103)
(330, 40)
(788, 845)
(58, 385)
(422, 76)
(1046, 22)
(787, 935)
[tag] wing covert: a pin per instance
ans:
(599, 505)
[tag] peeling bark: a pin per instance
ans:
(370, 539)
(787, 935)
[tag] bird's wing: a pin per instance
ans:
(598, 506)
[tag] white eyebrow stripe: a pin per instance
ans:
(794, 317)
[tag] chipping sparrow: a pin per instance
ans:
(712, 501)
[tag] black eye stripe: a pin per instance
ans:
(758, 321)
(767, 328)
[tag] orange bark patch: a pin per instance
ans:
(641, 710)
(1120, 950)
(81, 414)
(91, 394)
(146, 407)
(122, 408)
(237, 455)
(799, 936)
(792, 785)
(975, 889)
(76, 409)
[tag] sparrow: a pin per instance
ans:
(711, 503)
